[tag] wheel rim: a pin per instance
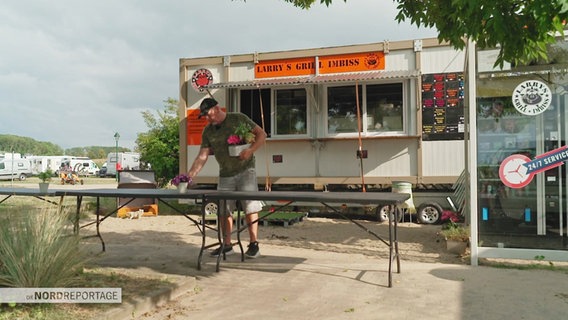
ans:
(429, 214)
(210, 208)
(384, 213)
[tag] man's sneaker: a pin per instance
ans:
(227, 250)
(252, 251)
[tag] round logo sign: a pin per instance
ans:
(372, 61)
(201, 78)
(532, 97)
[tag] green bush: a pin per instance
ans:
(38, 249)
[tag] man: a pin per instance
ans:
(235, 173)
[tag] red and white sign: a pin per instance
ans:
(201, 78)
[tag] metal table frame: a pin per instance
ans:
(325, 198)
(159, 194)
(28, 192)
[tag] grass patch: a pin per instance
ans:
(38, 249)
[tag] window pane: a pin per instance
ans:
(254, 108)
(342, 109)
(384, 107)
(291, 111)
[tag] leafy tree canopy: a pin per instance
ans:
(522, 29)
(24, 145)
(160, 145)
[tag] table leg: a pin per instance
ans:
(221, 212)
(391, 245)
(203, 226)
(99, 223)
(239, 210)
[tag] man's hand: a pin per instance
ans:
(246, 154)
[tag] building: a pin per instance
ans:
(408, 96)
(376, 113)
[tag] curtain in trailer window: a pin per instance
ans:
(291, 112)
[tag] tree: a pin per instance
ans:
(160, 145)
(25, 145)
(522, 29)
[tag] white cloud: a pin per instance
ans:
(72, 72)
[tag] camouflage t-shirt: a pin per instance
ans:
(215, 137)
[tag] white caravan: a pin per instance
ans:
(15, 169)
(43, 163)
(125, 161)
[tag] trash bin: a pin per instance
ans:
(404, 187)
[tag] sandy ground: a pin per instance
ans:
(324, 268)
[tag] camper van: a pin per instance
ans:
(122, 161)
(15, 169)
(44, 163)
(83, 166)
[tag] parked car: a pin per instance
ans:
(103, 171)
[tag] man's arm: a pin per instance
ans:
(199, 162)
(259, 138)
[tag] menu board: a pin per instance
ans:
(442, 106)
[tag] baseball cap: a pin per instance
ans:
(206, 104)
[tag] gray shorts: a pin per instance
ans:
(244, 181)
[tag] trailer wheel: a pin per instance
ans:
(210, 207)
(429, 213)
(22, 177)
(384, 212)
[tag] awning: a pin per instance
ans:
(365, 76)
(260, 83)
(325, 78)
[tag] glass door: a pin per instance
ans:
(521, 210)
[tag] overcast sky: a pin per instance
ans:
(74, 72)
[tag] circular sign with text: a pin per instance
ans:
(201, 78)
(532, 97)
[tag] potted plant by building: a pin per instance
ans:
(241, 140)
(455, 233)
(181, 182)
(45, 178)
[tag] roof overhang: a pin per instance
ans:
(318, 79)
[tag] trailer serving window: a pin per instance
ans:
(287, 116)
(381, 108)
(290, 112)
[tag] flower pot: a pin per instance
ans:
(182, 187)
(235, 150)
(456, 246)
(43, 186)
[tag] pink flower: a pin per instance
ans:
(234, 139)
(450, 215)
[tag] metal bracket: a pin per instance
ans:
(417, 45)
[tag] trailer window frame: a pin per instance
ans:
(341, 121)
(300, 127)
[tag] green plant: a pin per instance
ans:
(243, 135)
(455, 231)
(38, 250)
(45, 176)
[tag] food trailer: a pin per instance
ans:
(348, 117)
